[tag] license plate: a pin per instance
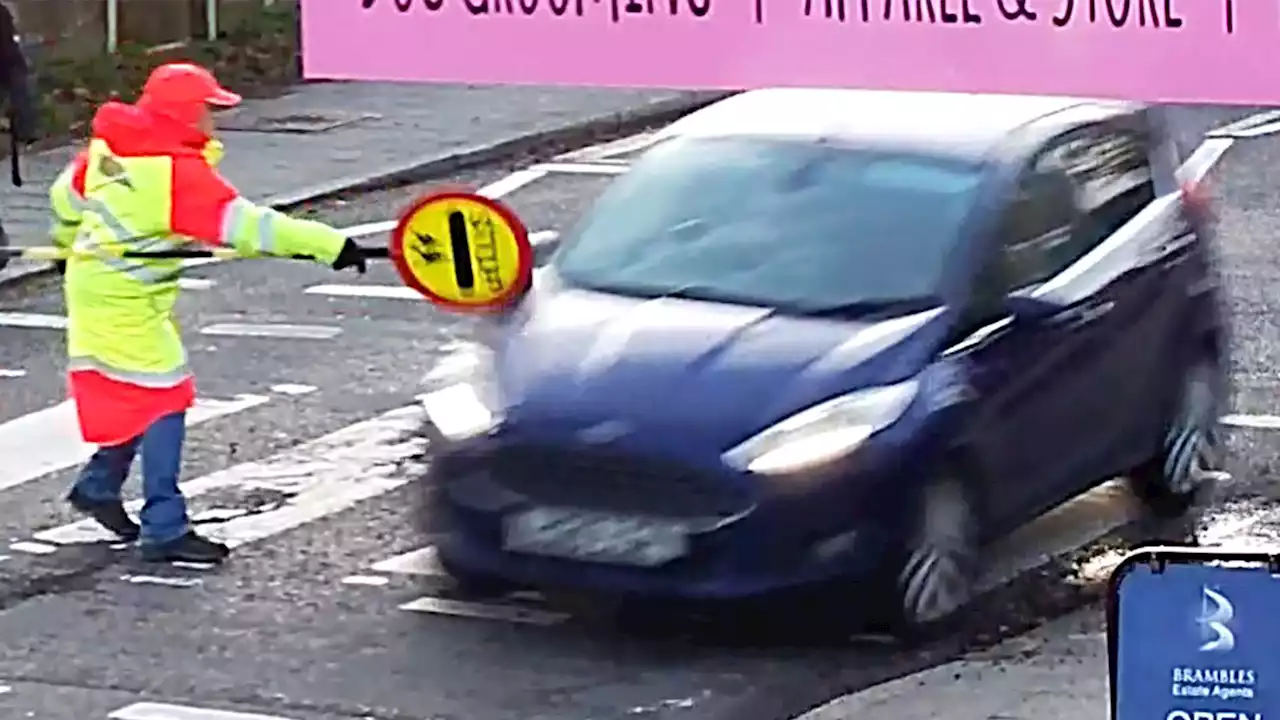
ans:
(596, 537)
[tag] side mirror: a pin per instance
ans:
(1026, 307)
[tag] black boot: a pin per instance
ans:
(110, 514)
(190, 548)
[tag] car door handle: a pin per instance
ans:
(1083, 315)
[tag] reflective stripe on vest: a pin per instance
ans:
(240, 211)
(65, 207)
(137, 269)
(121, 309)
(127, 240)
(156, 380)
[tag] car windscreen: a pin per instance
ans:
(802, 226)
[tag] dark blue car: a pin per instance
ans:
(827, 335)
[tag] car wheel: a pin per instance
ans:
(1192, 455)
(939, 569)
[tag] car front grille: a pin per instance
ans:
(594, 480)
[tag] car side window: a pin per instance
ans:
(1110, 168)
(1038, 230)
(1034, 228)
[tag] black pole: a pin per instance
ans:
(185, 254)
(15, 168)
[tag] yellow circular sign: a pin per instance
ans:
(462, 251)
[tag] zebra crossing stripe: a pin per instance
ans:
(314, 480)
(166, 711)
(46, 441)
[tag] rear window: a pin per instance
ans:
(804, 226)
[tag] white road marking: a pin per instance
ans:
(542, 236)
(485, 611)
(609, 151)
(511, 183)
(293, 389)
(7, 373)
(33, 548)
(166, 711)
(456, 410)
(1206, 156)
(195, 283)
(177, 582)
(48, 440)
(1248, 127)
(367, 580)
(583, 168)
(422, 561)
(372, 228)
(1270, 128)
(378, 292)
(1258, 422)
(41, 321)
(494, 190)
(273, 330)
(315, 479)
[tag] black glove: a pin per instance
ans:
(351, 255)
(60, 266)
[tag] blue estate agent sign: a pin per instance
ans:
(1194, 638)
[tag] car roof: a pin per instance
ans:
(957, 124)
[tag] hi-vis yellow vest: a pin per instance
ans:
(120, 311)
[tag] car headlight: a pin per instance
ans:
(471, 408)
(823, 432)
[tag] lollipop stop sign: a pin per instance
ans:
(463, 251)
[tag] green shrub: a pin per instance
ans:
(256, 57)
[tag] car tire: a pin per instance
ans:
(938, 571)
(1192, 453)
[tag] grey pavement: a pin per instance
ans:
(1058, 672)
(323, 138)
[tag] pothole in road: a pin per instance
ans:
(293, 124)
(222, 505)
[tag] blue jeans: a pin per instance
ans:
(164, 511)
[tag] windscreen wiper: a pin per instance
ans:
(869, 308)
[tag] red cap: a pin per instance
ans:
(182, 90)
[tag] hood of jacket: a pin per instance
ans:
(133, 131)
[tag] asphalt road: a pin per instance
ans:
(304, 624)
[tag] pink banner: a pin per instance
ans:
(1220, 51)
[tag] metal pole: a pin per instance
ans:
(211, 18)
(222, 253)
(113, 25)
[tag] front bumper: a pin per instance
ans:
(746, 539)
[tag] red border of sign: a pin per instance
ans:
(525, 257)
